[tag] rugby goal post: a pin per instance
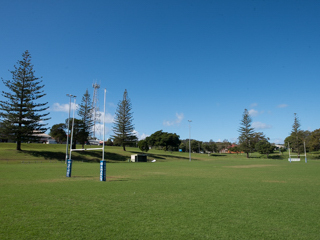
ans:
(102, 162)
(295, 157)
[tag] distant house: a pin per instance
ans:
(95, 142)
(225, 150)
(278, 146)
(231, 146)
(44, 138)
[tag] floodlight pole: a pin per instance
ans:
(189, 141)
(68, 95)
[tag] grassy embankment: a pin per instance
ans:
(57, 152)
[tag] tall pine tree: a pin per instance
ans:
(246, 133)
(21, 114)
(85, 111)
(296, 139)
(123, 126)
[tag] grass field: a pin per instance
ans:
(211, 197)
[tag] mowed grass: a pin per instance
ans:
(216, 197)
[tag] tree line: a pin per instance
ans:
(23, 117)
(248, 141)
(300, 139)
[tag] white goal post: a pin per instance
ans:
(102, 162)
(295, 157)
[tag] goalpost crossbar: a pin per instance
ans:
(86, 149)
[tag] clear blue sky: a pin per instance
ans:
(204, 61)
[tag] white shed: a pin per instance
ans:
(139, 158)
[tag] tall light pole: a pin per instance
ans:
(71, 96)
(189, 141)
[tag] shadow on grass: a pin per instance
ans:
(276, 157)
(91, 156)
(218, 155)
(85, 156)
(47, 154)
(108, 179)
(117, 180)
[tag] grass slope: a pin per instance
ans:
(212, 197)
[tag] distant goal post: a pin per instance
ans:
(295, 157)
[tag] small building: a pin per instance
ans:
(43, 138)
(95, 142)
(139, 158)
(51, 141)
(279, 146)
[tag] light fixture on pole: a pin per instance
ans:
(71, 96)
(189, 141)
